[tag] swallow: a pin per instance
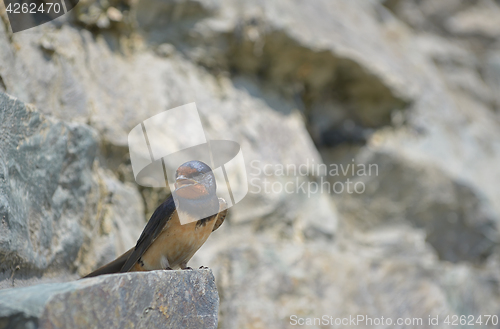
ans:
(165, 243)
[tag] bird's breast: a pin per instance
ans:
(178, 243)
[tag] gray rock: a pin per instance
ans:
(415, 80)
(157, 299)
(106, 90)
(46, 175)
(115, 223)
(60, 213)
(492, 73)
(388, 272)
(458, 221)
(477, 20)
(426, 15)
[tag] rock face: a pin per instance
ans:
(54, 203)
(408, 86)
(158, 299)
(46, 174)
(458, 221)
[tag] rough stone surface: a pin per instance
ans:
(411, 85)
(158, 299)
(54, 202)
(45, 177)
(366, 277)
(459, 222)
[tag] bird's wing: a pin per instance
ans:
(222, 213)
(113, 267)
(156, 223)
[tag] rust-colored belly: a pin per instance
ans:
(178, 243)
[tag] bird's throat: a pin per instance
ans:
(197, 208)
(195, 191)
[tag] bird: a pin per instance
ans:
(165, 243)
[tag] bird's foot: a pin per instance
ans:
(168, 269)
(203, 267)
(187, 268)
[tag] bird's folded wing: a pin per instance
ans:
(154, 227)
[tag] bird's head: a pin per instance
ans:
(194, 180)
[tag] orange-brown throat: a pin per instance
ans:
(191, 191)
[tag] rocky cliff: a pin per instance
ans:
(409, 86)
(158, 299)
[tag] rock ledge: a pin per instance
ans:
(156, 299)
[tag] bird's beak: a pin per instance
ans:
(182, 181)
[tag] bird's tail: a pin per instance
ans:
(113, 267)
